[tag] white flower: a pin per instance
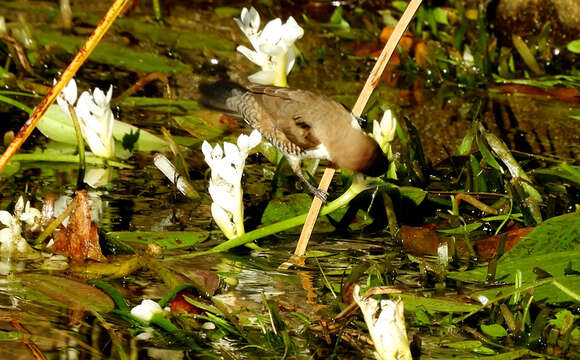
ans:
(273, 46)
(67, 96)
(96, 120)
(384, 131)
(95, 117)
(27, 214)
(146, 310)
(225, 188)
(387, 329)
(11, 240)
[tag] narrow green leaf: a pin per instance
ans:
(416, 302)
(464, 345)
(466, 229)
(487, 154)
(166, 239)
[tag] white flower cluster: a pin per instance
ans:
(387, 329)
(11, 240)
(273, 46)
(95, 117)
(225, 186)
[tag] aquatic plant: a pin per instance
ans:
(95, 117)
(387, 329)
(227, 166)
(273, 46)
(11, 240)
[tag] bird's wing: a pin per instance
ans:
(282, 92)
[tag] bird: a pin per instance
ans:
(300, 124)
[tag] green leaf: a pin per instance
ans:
(494, 330)
(464, 345)
(415, 302)
(560, 316)
(484, 350)
(545, 292)
(399, 5)
(553, 263)
(487, 154)
(70, 292)
(466, 229)
(166, 239)
(560, 233)
(574, 46)
(117, 55)
(440, 16)
(479, 184)
(416, 195)
(11, 336)
(58, 126)
(564, 171)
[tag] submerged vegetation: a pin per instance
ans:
(130, 247)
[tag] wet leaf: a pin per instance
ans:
(416, 195)
(179, 305)
(484, 350)
(488, 247)
(466, 229)
(464, 345)
(11, 336)
(494, 330)
(557, 234)
(113, 54)
(487, 154)
(415, 302)
(466, 143)
(58, 126)
(167, 239)
(421, 241)
(547, 292)
(197, 125)
(80, 239)
(182, 38)
(553, 263)
(562, 170)
(69, 292)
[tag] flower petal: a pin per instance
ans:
(291, 31)
(6, 218)
(263, 77)
(272, 32)
(223, 220)
(146, 310)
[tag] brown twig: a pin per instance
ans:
(67, 74)
(357, 109)
(475, 203)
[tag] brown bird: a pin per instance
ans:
(300, 124)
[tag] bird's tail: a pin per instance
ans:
(216, 95)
